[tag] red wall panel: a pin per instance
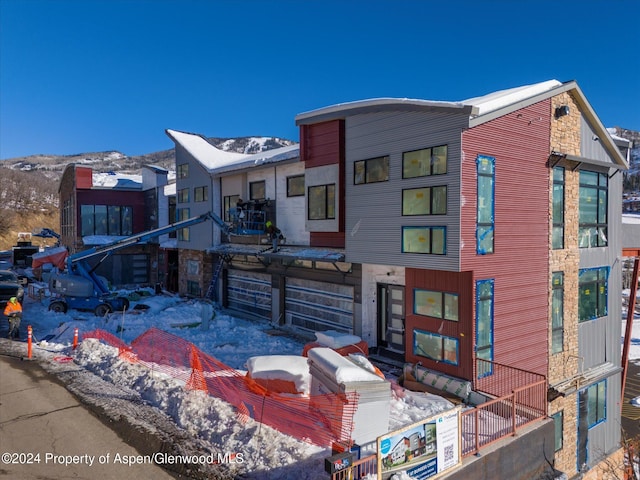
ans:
(519, 265)
(133, 199)
(323, 143)
(84, 177)
(327, 239)
(450, 282)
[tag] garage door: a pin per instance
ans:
(318, 306)
(249, 292)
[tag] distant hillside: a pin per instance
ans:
(52, 166)
(29, 187)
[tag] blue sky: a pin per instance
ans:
(95, 75)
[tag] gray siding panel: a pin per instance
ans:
(590, 145)
(373, 227)
(604, 438)
(599, 340)
(201, 236)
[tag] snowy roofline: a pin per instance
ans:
(219, 161)
(116, 180)
(479, 109)
(473, 106)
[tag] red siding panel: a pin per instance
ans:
(133, 199)
(323, 143)
(450, 282)
(520, 143)
(84, 177)
(327, 239)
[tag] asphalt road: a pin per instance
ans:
(46, 433)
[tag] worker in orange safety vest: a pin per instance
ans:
(13, 312)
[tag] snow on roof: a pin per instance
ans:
(218, 161)
(476, 106)
(612, 131)
(287, 251)
(368, 104)
(117, 180)
(496, 100)
(169, 189)
(203, 151)
(93, 240)
(261, 158)
(169, 243)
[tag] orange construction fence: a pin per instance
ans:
(323, 420)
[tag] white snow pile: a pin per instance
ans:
(191, 422)
(207, 418)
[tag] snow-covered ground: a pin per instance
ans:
(201, 423)
(196, 422)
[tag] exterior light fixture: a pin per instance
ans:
(562, 111)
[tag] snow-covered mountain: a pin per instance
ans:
(52, 166)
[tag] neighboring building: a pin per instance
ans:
(308, 288)
(100, 208)
(487, 229)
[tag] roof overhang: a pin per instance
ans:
(620, 162)
(288, 253)
(584, 379)
(343, 110)
(556, 157)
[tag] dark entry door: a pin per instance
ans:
(391, 317)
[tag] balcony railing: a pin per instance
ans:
(520, 399)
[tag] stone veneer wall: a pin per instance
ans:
(565, 138)
(202, 275)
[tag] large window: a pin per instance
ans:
(596, 402)
(321, 200)
(371, 171)
(424, 201)
(230, 201)
(558, 208)
(424, 240)
(106, 220)
(257, 190)
(295, 186)
(486, 205)
(593, 209)
(435, 304)
(182, 170)
(183, 233)
(427, 161)
(183, 195)
(557, 312)
(201, 194)
(436, 347)
(484, 325)
(592, 300)
(558, 419)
